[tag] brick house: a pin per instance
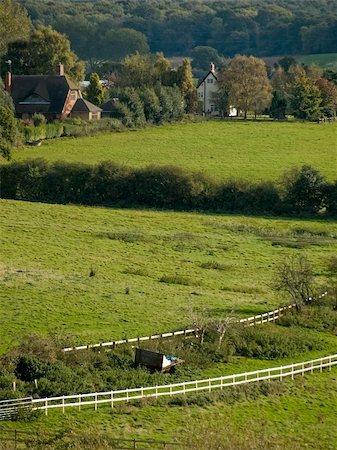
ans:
(54, 96)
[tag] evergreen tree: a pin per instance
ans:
(306, 99)
(278, 106)
(95, 91)
(151, 104)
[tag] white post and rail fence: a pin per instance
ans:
(111, 398)
(259, 319)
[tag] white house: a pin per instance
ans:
(206, 90)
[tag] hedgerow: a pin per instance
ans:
(303, 192)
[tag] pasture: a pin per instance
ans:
(260, 150)
(95, 274)
(325, 60)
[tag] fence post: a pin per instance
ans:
(96, 402)
(302, 369)
(63, 404)
(209, 385)
(281, 374)
(329, 363)
(79, 403)
(134, 443)
(170, 391)
(321, 366)
(312, 367)
(127, 395)
(292, 371)
(112, 399)
(46, 405)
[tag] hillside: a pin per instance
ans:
(249, 150)
(150, 268)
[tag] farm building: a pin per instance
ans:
(54, 96)
(206, 90)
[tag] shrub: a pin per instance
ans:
(304, 190)
(29, 368)
(38, 119)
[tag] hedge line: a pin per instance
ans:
(71, 127)
(302, 191)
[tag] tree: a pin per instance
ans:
(42, 52)
(202, 55)
(278, 106)
(9, 133)
(117, 44)
(305, 99)
(5, 98)
(137, 71)
(328, 92)
(304, 190)
(14, 24)
(294, 276)
(151, 104)
(248, 86)
(187, 87)
(95, 91)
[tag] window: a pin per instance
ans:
(211, 80)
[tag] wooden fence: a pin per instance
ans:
(270, 316)
(126, 395)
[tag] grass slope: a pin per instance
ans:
(325, 60)
(300, 414)
(214, 264)
(221, 149)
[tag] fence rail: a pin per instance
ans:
(12, 407)
(270, 316)
(126, 395)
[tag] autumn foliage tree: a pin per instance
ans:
(247, 84)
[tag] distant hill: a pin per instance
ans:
(259, 27)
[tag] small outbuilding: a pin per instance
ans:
(85, 110)
(156, 361)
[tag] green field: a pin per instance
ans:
(211, 263)
(221, 149)
(325, 60)
(300, 414)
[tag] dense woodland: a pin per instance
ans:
(111, 29)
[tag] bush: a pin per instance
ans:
(304, 190)
(38, 119)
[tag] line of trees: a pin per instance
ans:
(301, 191)
(305, 92)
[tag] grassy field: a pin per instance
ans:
(299, 414)
(325, 60)
(221, 149)
(150, 268)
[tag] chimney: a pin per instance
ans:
(60, 70)
(8, 77)
(8, 82)
(212, 67)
